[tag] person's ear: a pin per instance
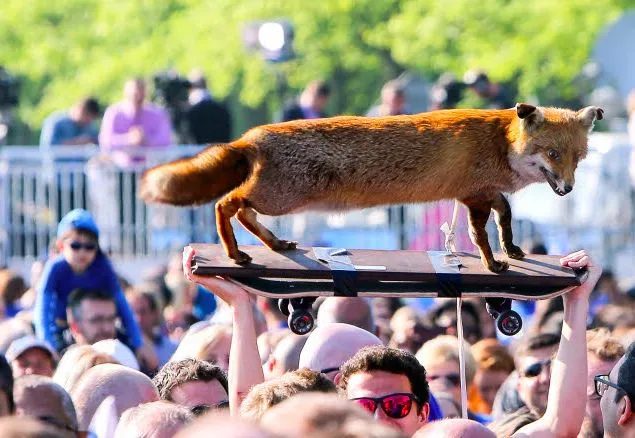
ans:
(625, 411)
(337, 379)
(425, 413)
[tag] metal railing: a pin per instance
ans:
(38, 187)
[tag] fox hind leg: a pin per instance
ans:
(503, 215)
(226, 208)
(479, 211)
(248, 218)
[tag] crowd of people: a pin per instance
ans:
(85, 353)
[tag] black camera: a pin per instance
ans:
(170, 89)
(9, 89)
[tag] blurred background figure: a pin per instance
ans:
(393, 101)
(311, 103)
(73, 127)
(493, 95)
(209, 121)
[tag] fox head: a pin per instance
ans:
(549, 143)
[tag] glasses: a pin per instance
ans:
(535, 369)
(453, 378)
(329, 370)
(394, 405)
(199, 410)
(102, 320)
(602, 383)
(88, 246)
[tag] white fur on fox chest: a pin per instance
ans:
(526, 169)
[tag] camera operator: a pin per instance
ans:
(13, 131)
(208, 121)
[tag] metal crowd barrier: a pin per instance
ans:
(39, 186)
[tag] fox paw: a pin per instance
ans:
(496, 266)
(281, 245)
(514, 252)
(241, 258)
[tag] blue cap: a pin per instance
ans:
(77, 219)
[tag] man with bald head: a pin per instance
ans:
(454, 428)
(330, 345)
(159, 419)
(348, 310)
(128, 387)
(285, 356)
(40, 398)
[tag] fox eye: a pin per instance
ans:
(553, 154)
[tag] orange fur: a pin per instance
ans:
(344, 163)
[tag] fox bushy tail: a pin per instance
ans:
(196, 180)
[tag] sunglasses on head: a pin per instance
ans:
(88, 246)
(394, 405)
(201, 409)
(453, 378)
(535, 369)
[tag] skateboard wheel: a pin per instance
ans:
(509, 323)
(301, 322)
(283, 305)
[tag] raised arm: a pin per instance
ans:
(245, 368)
(567, 391)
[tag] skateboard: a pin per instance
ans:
(298, 277)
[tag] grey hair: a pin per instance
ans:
(33, 382)
(141, 421)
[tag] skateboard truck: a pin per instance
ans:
(298, 310)
(508, 321)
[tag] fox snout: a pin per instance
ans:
(559, 185)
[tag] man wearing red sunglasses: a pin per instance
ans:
(390, 384)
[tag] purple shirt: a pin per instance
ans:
(117, 122)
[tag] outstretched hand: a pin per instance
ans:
(225, 289)
(577, 260)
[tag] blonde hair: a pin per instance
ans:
(75, 362)
(272, 392)
(195, 345)
(490, 355)
(445, 348)
(602, 344)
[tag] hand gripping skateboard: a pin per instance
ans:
(297, 277)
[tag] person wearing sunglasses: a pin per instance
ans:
(80, 264)
(195, 384)
(566, 401)
(390, 384)
(617, 397)
(604, 351)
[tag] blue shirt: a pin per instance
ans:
(59, 127)
(59, 280)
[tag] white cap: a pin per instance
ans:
(25, 343)
(119, 351)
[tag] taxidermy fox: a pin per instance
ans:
(346, 162)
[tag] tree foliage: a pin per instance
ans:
(70, 48)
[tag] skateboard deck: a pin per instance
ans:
(313, 272)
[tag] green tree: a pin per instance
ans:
(69, 48)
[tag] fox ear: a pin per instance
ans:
(530, 115)
(589, 115)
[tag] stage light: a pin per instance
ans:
(272, 39)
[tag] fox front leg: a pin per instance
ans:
(479, 212)
(503, 215)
